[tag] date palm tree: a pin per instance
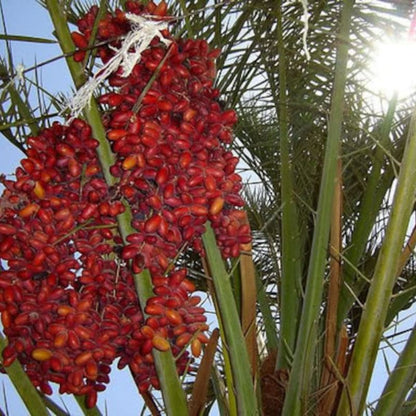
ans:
(329, 166)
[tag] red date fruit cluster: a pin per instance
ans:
(60, 301)
(172, 162)
(67, 300)
(67, 297)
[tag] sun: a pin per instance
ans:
(394, 68)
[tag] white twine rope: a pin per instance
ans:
(18, 78)
(305, 20)
(143, 30)
(20, 72)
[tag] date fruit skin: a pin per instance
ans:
(67, 298)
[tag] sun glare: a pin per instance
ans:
(394, 68)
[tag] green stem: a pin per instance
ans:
(400, 380)
(290, 287)
(297, 390)
(372, 322)
(234, 338)
(229, 380)
(173, 394)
